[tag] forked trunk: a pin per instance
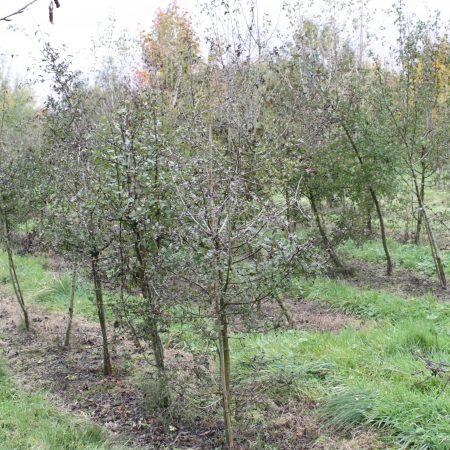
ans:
(326, 242)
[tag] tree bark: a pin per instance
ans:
(285, 312)
(383, 231)
(218, 300)
(107, 368)
(328, 247)
(158, 349)
(225, 369)
(434, 248)
(289, 217)
(70, 309)
(422, 197)
(13, 273)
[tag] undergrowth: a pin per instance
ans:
(408, 256)
(368, 377)
(359, 377)
(48, 289)
(28, 421)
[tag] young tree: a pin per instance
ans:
(17, 177)
(78, 200)
(414, 100)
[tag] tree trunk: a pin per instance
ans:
(383, 232)
(422, 200)
(285, 312)
(107, 368)
(70, 309)
(289, 218)
(375, 201)
(158, 349)
(369, 221)
(328, 247)
(225, 370)
(434, 248)
(13, 273)
(217, 297)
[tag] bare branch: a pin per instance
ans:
(7, 18)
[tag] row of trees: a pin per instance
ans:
(186, 185)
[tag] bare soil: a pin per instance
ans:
(310, 316)
(404, 282)
(75, 382)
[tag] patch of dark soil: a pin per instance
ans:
(304, 315)
(404, 282)
(75, 380)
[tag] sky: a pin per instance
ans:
(77, 23)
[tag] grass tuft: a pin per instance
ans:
(347, 409)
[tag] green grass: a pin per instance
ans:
(48, 289)
(28, 421)
(408, 256)
(370, 376)
(359, 377)
(370, 303)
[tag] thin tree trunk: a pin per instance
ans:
(70, 309)
(225, 369)
(328, 247)
(422, 197)
(375, 201)
(369, 221)
(13, 273)
(218, 300)
(434, 248)
(285, 312)
(142, 277)
(107, 368)
(158, 349)
(289, 218)
(383, 232)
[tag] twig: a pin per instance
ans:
(437, 369)
(7, 18)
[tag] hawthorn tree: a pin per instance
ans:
(414, 101)
(19, 176)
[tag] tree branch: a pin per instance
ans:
(7, 18)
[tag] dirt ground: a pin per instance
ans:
(310, 316)
(75, 382)
(404, 282)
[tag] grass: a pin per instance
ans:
(408, 256)
(370, 303)
(48, 289)
(28, 421)
(360, 377)
(369, 377)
